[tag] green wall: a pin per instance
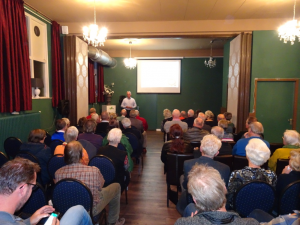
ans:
(201, 88)
(225, 73)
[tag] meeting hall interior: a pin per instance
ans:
(229, 55)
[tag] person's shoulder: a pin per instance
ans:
(189, 221)
(246, 221)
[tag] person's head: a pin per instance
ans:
(223, 123)
(132, 113)
(295, 159)
(167, 113)
(191, 113)
(17, 177)
(175, 131)
(202, 116)
(73, 152)
(210, 145)
(123, 112)
(183, 114)
(218, 131)
(89, 126)
(92, 110)
(128, 94)
(291, 137)
(81, 121)
(176, 114)
(95, 117)
(126, 123)
(256, 128)
(228, 115)
(257, 152)
(250, 120)
(114, 136)
(137, 112)
(37, 136)
(220, 117)
(104, 115)
(71, 134)
(209, 114)
(67, 121)
(197, 112)
(207, 188)
(60, 124)
(198, 122)
(112, 116)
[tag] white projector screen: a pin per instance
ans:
(158, 76)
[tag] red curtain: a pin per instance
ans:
(15, 80)
(91, 82)
(100, 73)
(57, 74)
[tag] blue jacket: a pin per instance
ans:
(58, 135)
(240, 147)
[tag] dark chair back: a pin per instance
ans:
(3, 159)
(12, 146)
(47, 140)
(254, 195)
(55, 163)
(36, 201)
(195, 144)
(239, 162)
(106, 167)
(274, 146)
(54, 144)
(28, 155)
(226, 159)
(103, 134)
(281, 163)
(89, 147)
(232, 143)
(121, 147)
(289, 199)
(134, 142)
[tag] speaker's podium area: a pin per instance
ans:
(109, 108)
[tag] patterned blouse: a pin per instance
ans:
(243, 176)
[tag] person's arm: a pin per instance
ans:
(41, 213)
(134, 104)
(123, 105)
(273, 160)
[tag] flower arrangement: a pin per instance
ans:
(108, 89)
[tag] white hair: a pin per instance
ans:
(95, 116)
(257, 151)
(291, 137)
(129, 92)
(67, 121)
(114, 136)
(210, 145)
(71, 134)
(218, 131)
(191, 113)
(126, 122)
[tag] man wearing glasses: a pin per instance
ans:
(17, 180)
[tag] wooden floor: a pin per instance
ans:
(147, 194)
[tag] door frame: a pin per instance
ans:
(296, 82)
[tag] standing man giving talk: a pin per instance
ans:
(128, 103)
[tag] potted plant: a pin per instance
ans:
(108, 92)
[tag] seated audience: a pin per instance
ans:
(93, 178)
(123, 115)
(244, 134)
(208, 191)
(67, 122)
(227, 136)
(196, 133)
(220, 117)
(228, 117)
(145, 126)
(190, 119)
(167, 117)
(71, 134)
(61, 127)
(79, 126)
(290, 173)
(205, 126)
(113, 122)
(138, 124)
(89, 129)
(92, 111)
(17, 181)
(103, 125)
(175, 145)
(291, 140)
(119, 157)
(197, 113)
(96, 118)
(257, 153)
(254, 132)
(175, 120)
(183, 116)
(226, 148)
(42, 152)
(210, 119)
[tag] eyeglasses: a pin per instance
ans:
(34, 186)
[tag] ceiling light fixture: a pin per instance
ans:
(211, 62)
(91, 35)
(130, 63)
(290, 30)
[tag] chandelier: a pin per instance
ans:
(290, 30)
(130, 63)
(211, 62)
(91, 34)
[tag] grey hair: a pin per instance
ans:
(199, 121)
(128, 91)
(210, 145)
(71, 134)
(126, 122)
(257, 151)
(223, 123)
(114, 136)
(191, 113)
(132, 113)
(218, 131)
(291, 137)
(95, 116)
(202, 116)
(256, 127)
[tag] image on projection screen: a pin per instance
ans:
(158, 76)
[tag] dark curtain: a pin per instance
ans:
(100, 72)
(57, 74)
(91, 82)
(15, 80)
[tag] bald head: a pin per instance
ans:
(176, 114)
(198, 122)
(123, 112)
(191, 113)
(104, 115)
(218, 131)
(183, 114)
(221, 117)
